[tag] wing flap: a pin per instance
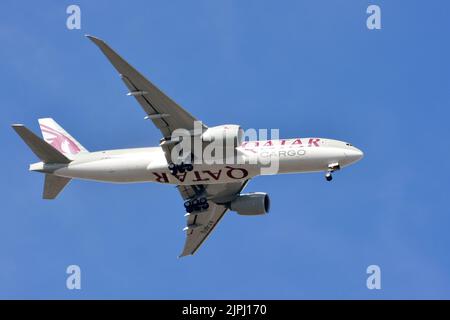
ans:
(199, 226)
(147, 105)
(204, 223)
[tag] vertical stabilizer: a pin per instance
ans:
(59, 138)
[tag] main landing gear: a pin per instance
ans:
(180, 168)
(331, 168)
(196, 205)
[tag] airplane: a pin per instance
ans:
(209, 188)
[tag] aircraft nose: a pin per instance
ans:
(354, 154)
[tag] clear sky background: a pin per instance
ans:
(310, 68)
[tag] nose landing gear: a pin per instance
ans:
(331, 168)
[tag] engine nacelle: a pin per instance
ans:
(251, 204)
(229, 136)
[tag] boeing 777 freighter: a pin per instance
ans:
(209, 188)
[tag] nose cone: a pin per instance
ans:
(353, 155)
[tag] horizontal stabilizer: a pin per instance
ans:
(53, 185)
(41, 149)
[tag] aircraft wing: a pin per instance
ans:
(200, 225)
(163, 111)
(169, 116)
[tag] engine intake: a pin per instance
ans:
(251, 204)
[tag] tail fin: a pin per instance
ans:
(59, 138)
(41, 149)
(53, 185)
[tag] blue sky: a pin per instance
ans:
(310, 68)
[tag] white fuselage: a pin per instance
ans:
(253, 158)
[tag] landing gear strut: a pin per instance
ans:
(180, 168)
(331, 168)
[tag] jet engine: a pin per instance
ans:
(229, 136)
(251, 204)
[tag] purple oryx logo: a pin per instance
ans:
(59, 141)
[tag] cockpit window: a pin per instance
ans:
(348, 144)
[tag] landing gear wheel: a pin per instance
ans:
(180, 168)
(187, 204)
(196, 205)
(328, 176)
(173, 168)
